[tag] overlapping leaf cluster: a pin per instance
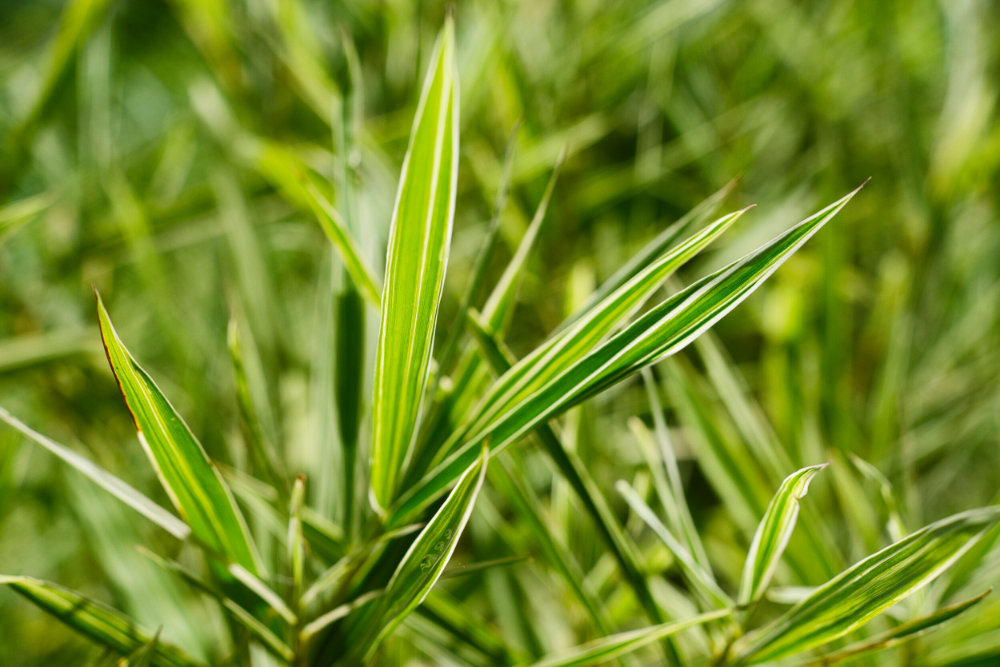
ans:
(451, 412)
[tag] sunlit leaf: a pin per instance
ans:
(773, 533)
(868, 588)
(189, 477)
(415, 268)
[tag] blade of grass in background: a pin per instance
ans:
(415, 267)
(701, 580)
(868, 588)
(113, 485)
(189, 477)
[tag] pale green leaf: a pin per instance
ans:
(415, 268)
(700, 579)
(773, 533)
(868, 588)
(902, 633)
(113, 485)
(255, 626)
(660, 332)
(188, 476)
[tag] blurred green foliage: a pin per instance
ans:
(149, 149)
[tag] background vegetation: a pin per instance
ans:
(145, 149)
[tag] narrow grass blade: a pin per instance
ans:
(455, 618)
(470, 375)
(902, 633)
(773, 533)
(427, 557)
(264, 457)
(662, 331)
(189, 477)
(868, 588)
(698, 578)
(667, 476)
(415, 267)
(319, 624)
(98, 622)
(608, 648)
(264, 592)
(113, 485)
(653, 250)
(528, 506)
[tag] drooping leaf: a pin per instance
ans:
(868, 588)
(660, 332)
(605, 649)
(96, 621)
(773, 533)
(113, 485)
(415, 267)
(903, 633)
(188, 476)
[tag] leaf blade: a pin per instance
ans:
(868, 588)
(664, 330)
(605, 649)
(97, 621)
(415, 267)
(192, 481)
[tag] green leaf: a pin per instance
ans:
(605, 649)
(427, 557)
(903, 633)
(415, 267)
(570, 344)
(113, 485)
(660, 332)
(773, 533)
(868, 588)
(98, 622)
(188, 476)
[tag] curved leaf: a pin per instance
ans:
(773, 533)
(868, 588)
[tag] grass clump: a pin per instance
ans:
(420, 467)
